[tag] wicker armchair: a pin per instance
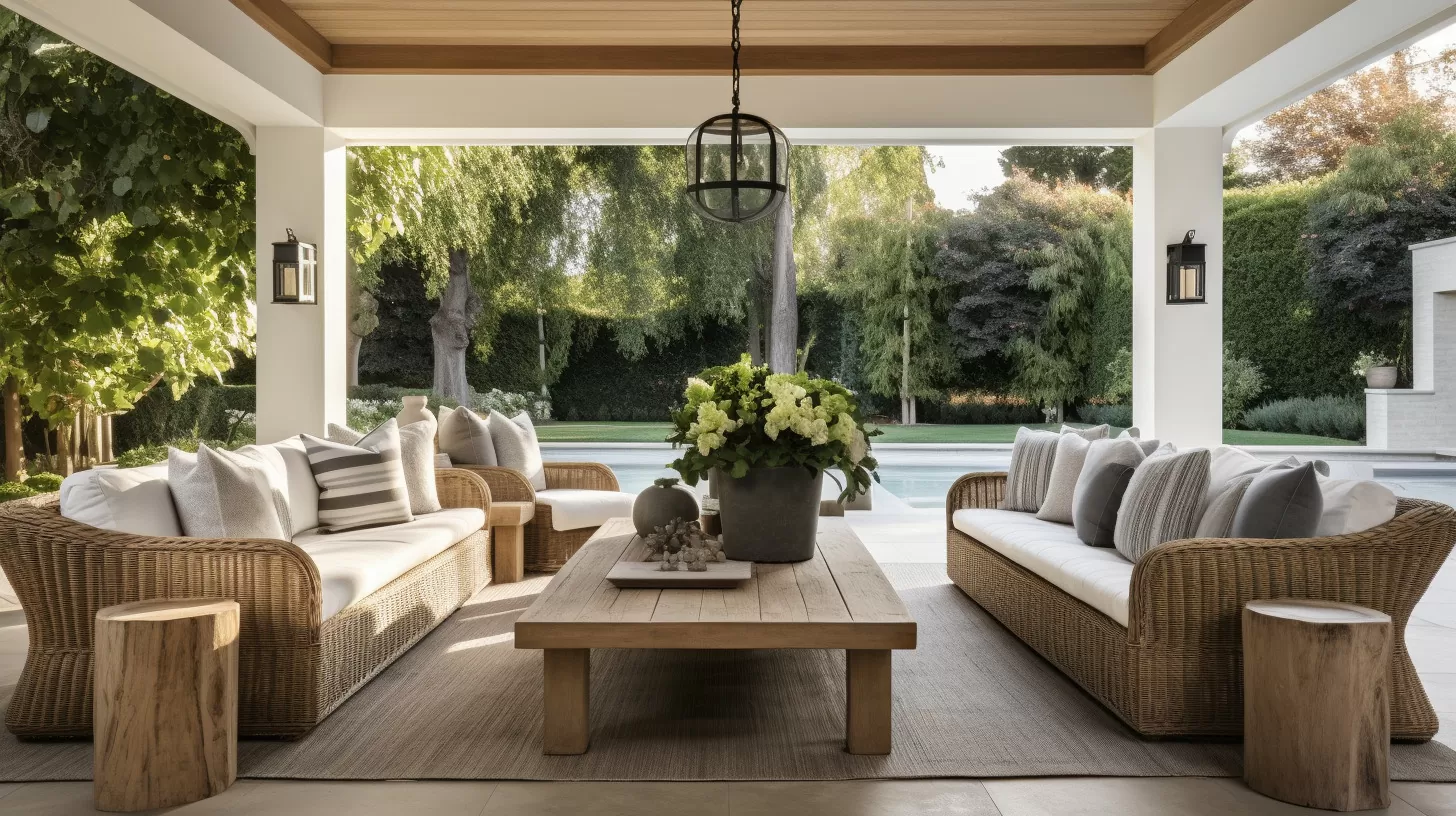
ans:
(293, 669)
(547, 549)
(1177, 668)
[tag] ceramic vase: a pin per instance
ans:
(415, 410)
(1380, 376)
(664, 501)
(770, 515)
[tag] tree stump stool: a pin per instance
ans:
(166, 711)
(1316, 704)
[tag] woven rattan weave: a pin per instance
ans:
(546, 549)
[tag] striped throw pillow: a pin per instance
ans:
(1162, 502)
(359, 487)
(1031, 469)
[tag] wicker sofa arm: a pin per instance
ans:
(458, 487)
(505, 484)
(982, 491)
(64, 571)
(1192, 592)
(581, 476)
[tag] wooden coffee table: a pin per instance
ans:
(838, 600)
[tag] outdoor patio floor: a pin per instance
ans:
(893, 534)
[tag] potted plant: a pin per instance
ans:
(1378, 370)
(769, 438)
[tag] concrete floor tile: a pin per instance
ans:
(608, 799)
(1110, 796)
(1429, 799)
(890, 797)
(292, 798)
(1432, 648)
(1255, 804)
(75, 799)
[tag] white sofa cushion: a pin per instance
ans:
(574, 509)
(123, 500)
(1096, 576)
(1353, 506)
(355, 563)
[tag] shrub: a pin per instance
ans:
(371, 405)
(980, 409)
(152, 454)
(206, 411)
(44, 482)
(1118, 416)
(1339, 417)
(15, 490)
(1242, 382)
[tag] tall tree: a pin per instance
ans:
(1311, 137)
(1100, 167)
(127, 243)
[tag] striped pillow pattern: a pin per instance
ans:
(358, 487)
(1031, 469)
(1162, 502)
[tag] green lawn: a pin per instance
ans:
(657, 431)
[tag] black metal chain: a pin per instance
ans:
(737, 12)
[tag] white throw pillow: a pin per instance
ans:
(1066, 470)
(1089, 434)
(516, 446)
(466, 437)
(123, 500)
(1353, 506)
(417, 457)
(223, 494)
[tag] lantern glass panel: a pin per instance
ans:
(737, 165)
(286, 281)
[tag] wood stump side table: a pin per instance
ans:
(166, 710)
(1316, 705)
(508, 539)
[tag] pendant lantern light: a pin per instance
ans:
(738, 163)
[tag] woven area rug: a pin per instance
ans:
(972, 701)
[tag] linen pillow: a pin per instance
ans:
(1067, 466)
(1130, 433)
(125, 500)
(1352, 506)
(516, 446)
(275, 470)
(223, 494)
(1218, 516)
(1280, 503)
(417, 456)
(1089, 434)
(359, 487)
(1031, 469)
(1098, 498)
(1162, 502)
(465, 435)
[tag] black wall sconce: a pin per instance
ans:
(1186, 267)
(295, 271)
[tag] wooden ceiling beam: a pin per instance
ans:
(1188, 28)
(757, 60)
(287, 27)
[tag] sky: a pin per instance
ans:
(972, 168)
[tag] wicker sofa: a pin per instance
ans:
(1175, 669)
(547, 548)
(296, 662)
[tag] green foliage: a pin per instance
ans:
(44, 482)
(9, 491)
(1338, 417)
(1118, 388)
(1242, 383)
(741, 416)
(128, 237)
(1102, 167)
(980, 409)
(1118, 416)
(154, 454)
(208, 411)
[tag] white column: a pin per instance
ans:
(301, 349)
(1177, 350)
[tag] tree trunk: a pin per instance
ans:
(907, 406)
(63, 449)
(352, 357)
(755, 327)
(450, 329)
(783, 338)
(541, 348)
(14, 442)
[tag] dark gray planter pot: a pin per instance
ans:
(771, 515)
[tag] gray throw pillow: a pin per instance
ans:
(1062, 486)
(1162, 502)
(1100, 453)
(222, 494)
(1089, 434)
(359, 487)
(1283, 503)
(1031, 469)
(516, 446)
(417, 457)
(465, 435)
(1218, 516)
(1098, 498)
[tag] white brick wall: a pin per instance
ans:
(1423, 417)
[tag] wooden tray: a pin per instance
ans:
(647, 575)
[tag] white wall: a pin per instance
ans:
(1423, 417)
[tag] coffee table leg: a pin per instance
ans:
(867, 719)
(510, 553)
(567, 689)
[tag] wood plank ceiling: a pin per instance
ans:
(779, 36)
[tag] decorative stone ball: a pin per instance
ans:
(659, 504)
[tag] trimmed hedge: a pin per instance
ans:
(201, 413)
(1339, 417)
(1118, 416)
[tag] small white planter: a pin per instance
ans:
(1380, 376)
